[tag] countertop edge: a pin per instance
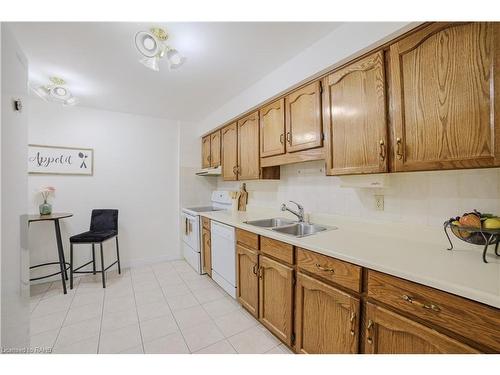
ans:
(472, 294)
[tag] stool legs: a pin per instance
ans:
(118, 256)
(102, 268)
(93, 259)
(71, 266)
(60, 251)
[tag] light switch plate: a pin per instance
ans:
(379, 202)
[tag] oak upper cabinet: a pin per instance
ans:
(354, 102)
(272, 129)
(205, 152)
(276, 298)
(444, 94)
(326, 319)
(206, 255)
(248, 147)
(215, 148)
(304, 129)
(229, 137)
(246, 279)
(391, 333)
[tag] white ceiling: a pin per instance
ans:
(100, 63)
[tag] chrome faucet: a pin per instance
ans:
(299, 213)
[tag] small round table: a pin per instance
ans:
(63, 266)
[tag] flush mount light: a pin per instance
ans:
(55, 92)
(152, 46)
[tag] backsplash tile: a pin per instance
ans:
(427, 198)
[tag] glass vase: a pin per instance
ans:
(45, 208)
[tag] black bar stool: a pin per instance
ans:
(103, 227)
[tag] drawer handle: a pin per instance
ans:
(289, 138)
(353, 322)
(326, 269)
(428, 306)
(282, 136)
(369, 332)
(261, 272)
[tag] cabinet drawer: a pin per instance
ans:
(249, 239)
(277, 249)
(467, 318)
(205, 222)
(346, 274)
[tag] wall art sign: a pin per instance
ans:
(60, 160)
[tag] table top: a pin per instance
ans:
(53, 216)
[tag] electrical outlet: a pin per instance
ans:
(379, 202)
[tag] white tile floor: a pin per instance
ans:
(164, 308)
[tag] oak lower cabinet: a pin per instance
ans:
(445, 97)
(391, 333)
(326, 319)
(206, 252)
(354, 109)
(247, 286)
(276, 298)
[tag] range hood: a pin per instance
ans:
(210, 171)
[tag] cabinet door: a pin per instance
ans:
(248, 147)
(215, 149)
(229, 152)
(205, 152)
(326, 319)
(206, 255)
(444, 94)
(391, 333)
(275, 298)
(246, 279)
(304, 129)
(355, 118)
(272, 129)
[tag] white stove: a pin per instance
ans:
(191, 227)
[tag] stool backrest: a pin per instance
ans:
(104, 219)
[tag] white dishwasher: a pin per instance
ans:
(223, 257)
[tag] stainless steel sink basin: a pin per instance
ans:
(270, 223)
(302, 229)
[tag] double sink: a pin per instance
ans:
(289, 227)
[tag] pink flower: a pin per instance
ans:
(46, 191)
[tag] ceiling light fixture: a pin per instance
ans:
(55, 92)
(152, 46)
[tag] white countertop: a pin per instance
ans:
(413, 252)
